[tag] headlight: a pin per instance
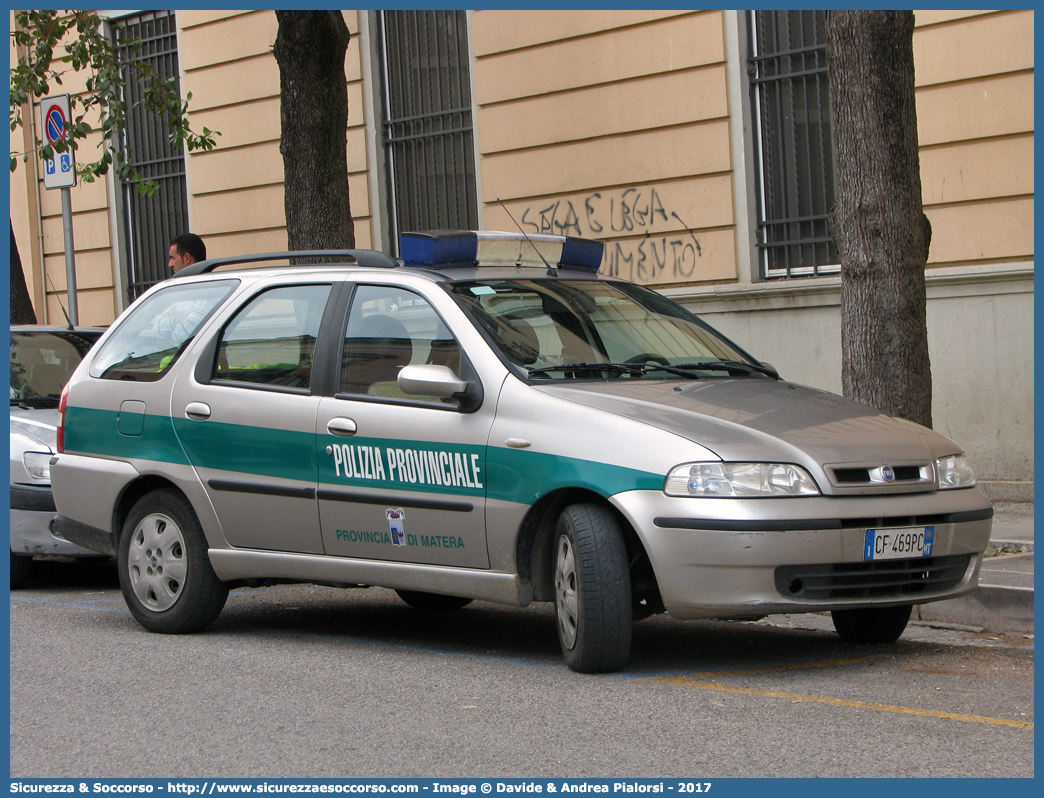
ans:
(739, 479)
(954, 472)
(38, 464)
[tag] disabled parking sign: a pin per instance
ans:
(59, 171)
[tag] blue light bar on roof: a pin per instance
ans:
(439, 248)
(443, 249)
(582, 253)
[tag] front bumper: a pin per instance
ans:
(742, 558)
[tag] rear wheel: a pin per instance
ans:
(20, 568)
(165, 573)
(432, 601)
(872, 625)
(592, 590)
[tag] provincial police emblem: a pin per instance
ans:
(395, 524)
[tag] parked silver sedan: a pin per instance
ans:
(42, 360)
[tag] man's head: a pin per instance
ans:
(186, 249)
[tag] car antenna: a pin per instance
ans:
(551, 270)
(60, 302)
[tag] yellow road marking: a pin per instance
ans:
(703, 677)
(700, 681)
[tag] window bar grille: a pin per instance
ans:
(794, 144)
(427, 124)
(150, 222)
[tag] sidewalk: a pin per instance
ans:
(1004, 601)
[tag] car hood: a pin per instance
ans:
(39, 426)
(761, 420)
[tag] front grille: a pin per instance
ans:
(857, 476)
(903, 473)
(861, 476)
(877, 579)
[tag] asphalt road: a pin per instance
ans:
(304, 681)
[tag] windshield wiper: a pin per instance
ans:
(619, 368)
(641, 369)
(634, 369)
(722, 365)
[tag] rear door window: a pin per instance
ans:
(271, 340)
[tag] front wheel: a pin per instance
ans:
(165, 573)
(592, 590)
(872, 625)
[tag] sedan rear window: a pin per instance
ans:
(42, 362)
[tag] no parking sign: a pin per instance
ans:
(59, 171)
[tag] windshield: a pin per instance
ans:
(42, 362)
(586, 329)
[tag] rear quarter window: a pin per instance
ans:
(151, 337)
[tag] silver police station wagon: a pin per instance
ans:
(490, 418)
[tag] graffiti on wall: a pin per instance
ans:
(656, 257)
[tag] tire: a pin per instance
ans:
(592, 590)
(165, 573)
(432, 601)
(873, 625)
(20, 568)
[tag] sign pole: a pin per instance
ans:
(70, 259)
(60, 172)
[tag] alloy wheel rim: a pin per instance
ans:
(156, 562)
(565, 592)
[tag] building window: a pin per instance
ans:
(149, 223)
(793, 144)
(427, 120)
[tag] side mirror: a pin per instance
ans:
(422, 379)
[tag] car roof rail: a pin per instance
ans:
(362, 257)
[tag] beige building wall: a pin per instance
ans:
(610, 125)
(974, 74)
(614, 124)
(236, 190)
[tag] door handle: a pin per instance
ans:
(198, 411)
(341, 426)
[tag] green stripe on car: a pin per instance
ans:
(420, 466)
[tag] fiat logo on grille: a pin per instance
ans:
(888, 473)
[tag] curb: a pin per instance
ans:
(1013, 543)
(994, 608)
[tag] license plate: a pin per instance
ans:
(897, 544)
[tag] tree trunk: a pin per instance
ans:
(310, 48)
(21, 305)
(878, 220)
